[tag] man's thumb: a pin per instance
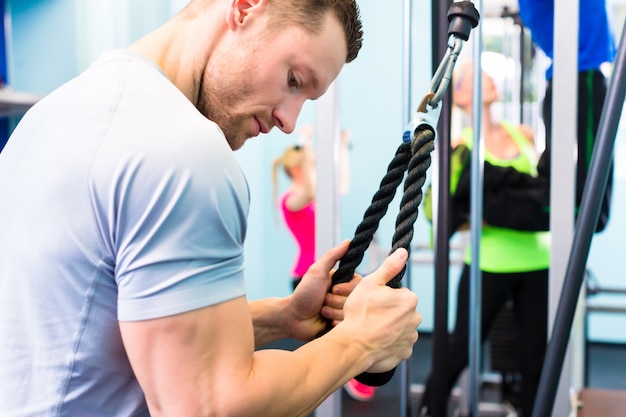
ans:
(390, 267)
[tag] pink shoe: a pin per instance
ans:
(358, 391)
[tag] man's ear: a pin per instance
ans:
(241, 11)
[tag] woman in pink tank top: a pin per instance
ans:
(297, 204)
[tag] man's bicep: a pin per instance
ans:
(183, 362)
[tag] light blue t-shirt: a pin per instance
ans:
(118, 201)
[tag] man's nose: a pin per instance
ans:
(286, 115)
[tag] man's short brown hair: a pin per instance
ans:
(310, 15)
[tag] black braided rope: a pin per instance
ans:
(374, 213)
(416, 158)
(423, 145)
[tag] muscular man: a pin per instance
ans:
(123, 218)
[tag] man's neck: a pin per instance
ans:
(182, 48)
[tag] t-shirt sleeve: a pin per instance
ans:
(176, 222)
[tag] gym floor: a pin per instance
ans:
(606, 370)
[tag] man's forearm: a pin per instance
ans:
(268, 320)
(295, 383)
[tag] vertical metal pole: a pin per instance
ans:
(441, 222)
(587, 220)
(327, 198)
(516, 93)
(562, 181)
(476, 216)
(522, 68)
(506, 90)
(405, 369)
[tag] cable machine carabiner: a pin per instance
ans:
(462, 16)
(413, 157)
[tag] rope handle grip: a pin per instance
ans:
(416, 158)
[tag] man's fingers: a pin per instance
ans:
(345, 288)
(390, 267)
(335, 300)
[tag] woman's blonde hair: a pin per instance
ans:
(291, 158)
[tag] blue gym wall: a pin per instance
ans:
(4, 121)
(53, 40)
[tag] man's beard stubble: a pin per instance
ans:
(216, 103)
